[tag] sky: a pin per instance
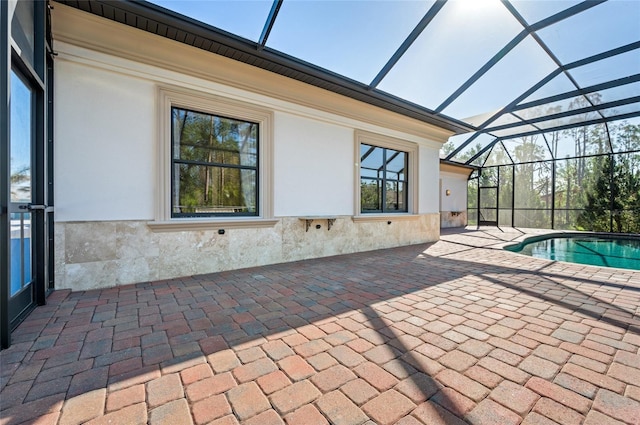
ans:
(20, 146)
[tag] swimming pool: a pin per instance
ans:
(596, 250)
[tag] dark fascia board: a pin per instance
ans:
(166, 23)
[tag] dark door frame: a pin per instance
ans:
(38, 75)
(497, 203)
(5, 336)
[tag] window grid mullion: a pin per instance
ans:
(214, 164)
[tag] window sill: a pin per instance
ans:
(180, 225)
(385, 217)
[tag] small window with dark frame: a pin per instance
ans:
(214, 165)
(383, 180)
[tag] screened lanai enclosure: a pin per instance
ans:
(543, 97)
(581, 178)
(565, 152)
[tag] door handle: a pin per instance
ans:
(33, 207)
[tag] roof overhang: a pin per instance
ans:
(457, 168)
(165, 23)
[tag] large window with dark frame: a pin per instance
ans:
(383, 179)
(214, 165)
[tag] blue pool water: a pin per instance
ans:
(594, 250)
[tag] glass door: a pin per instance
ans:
(26, 167)
(21, 157)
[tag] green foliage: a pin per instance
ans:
(613, 199)
(600, 196)
(447, 148)
(370, 196)
(613, 191)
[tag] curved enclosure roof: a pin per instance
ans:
(492, 71)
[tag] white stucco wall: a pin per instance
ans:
(314, 167)
(106, 152)
(104, 145)
(106, 149)
(457, 185)
(429, 171)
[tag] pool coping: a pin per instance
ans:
(569, 234)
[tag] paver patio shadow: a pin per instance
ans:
(437, 333)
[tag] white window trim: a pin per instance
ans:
(365, 137)
(169, 97)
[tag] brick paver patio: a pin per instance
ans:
(454, 332)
